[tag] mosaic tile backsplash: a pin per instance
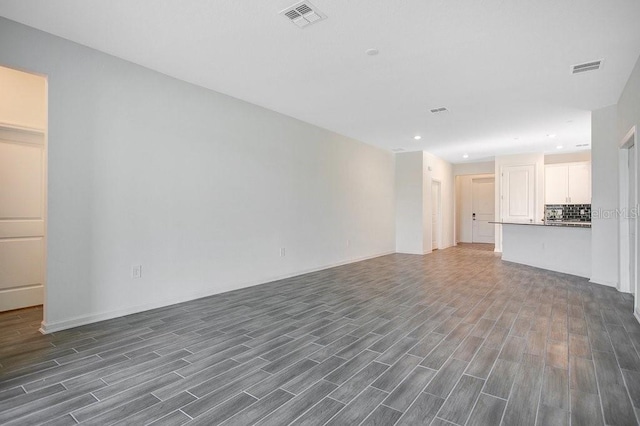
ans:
(568, 212)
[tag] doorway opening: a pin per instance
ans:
(483, 210)
(436, 221)
(23, 189)
(475, 208)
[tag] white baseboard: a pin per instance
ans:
(637, 315)
(562, 270)
(595, 280)
(53, 327)
(24, 297)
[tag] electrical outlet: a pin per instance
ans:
(136, 271)
(283, 252)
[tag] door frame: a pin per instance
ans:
(29, 133)
(629, 140)
(483, 177)
(464, 205)
(21, 135)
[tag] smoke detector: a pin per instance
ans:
(303, 14)
(438, 110)
(587, 66)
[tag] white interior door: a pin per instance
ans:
(632, 219)
(435, 215)
(22, 207)
(518, 189)
(483, 207)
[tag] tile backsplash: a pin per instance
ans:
(568, 212)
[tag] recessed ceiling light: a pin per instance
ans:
(372, 52)
(465, 156)
(552, 135)
(417, 137)
(559, 147)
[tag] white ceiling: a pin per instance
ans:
(502, 67)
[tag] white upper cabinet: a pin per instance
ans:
(556, 184)
(568, 183)
(579, 183)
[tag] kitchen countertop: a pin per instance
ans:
(558, 224)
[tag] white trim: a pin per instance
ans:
(53, 327)
(628, 138)
(613, 284)
(37, 139)
(624, 247)
(637, 315)
(21, 135)
(19, 128)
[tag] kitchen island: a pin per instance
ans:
(561, 247)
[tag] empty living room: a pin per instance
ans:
(280, 212)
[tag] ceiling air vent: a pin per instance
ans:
(438, 110)
(303, 14)
(582, 145)
(397, 150)
(587, 66)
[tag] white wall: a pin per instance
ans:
(536, 159)
(415, 172)
(628, 112)
(485, 167)
(608, 127)
(629, 103)
(410, 193)
(604, 183)
(201, 189)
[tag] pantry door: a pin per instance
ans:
(517, 198)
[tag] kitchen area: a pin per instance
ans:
(545, 212)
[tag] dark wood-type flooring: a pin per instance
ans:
(454, 337)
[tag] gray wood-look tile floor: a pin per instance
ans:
(454, 337)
